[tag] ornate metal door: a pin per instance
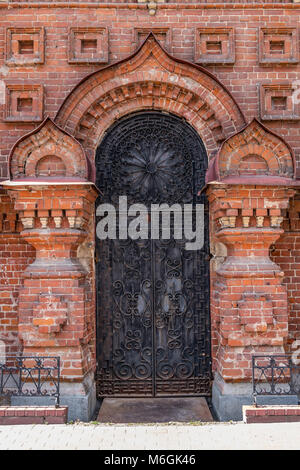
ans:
(153, 328)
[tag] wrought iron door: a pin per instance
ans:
(153, 328)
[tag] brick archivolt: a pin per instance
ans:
(255, 151)
(150, 79)
(48, 152)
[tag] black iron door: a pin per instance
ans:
(153, 328)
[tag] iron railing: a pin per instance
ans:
(30, 376)
(275, 375)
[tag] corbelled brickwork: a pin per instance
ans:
(68, 71)
(150, 79)
(15, 255)
(55, 303)
(249, 302)
(54, 29)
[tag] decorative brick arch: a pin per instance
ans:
(150, 79)
(255, 151)
(48, 152)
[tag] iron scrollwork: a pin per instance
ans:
(153, 326)
(30, 376)
(278, 374)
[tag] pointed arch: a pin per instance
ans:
(253, 152)
(47, 152)
(150, 79)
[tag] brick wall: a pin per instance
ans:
(15, 255)
(46, 50)
(33, 415)
(54, 73)
(286, 253)
(271, 414)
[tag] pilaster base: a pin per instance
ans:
(79, 398)
(228, 399)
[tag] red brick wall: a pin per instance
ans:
(15, 255)
(58, 76)
(47, 82)
(33, 415)
(286, 253)
(271, 414)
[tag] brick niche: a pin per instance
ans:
(88, 45)
(24, 102)
(25, 46)
(277, 102)
(214, 46)
(278, 46)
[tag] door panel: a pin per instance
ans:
(153, 330)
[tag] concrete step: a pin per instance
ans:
(154, 410)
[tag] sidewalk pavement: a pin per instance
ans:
(217, 436)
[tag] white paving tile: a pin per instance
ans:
(182, 437)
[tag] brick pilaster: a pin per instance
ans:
(248, 298)
(54, 313)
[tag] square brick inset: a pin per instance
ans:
(23, 103)
(25, 46)
(278, 46)
(88, 45)
(163, 35)
(277, 102)
(214, 46)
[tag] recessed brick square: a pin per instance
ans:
(163, 35)
(277, 102)
(278, 46)
(23, 103)
(25, 46)
(214, 46)
(88, 45)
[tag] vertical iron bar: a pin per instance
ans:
(20, 360)
(58, 382)
(272, 363)
(1, 379)
(153, 319)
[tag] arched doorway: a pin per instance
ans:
(153, 327)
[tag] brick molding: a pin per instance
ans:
(25, 46)
(277, 103)
(150, 79)
(255, 151)
(24, 102)
(249, 302)
(214, 46)
(88, 45)
(162, 34)
(278, 46)
(54, 313)
(51, 153)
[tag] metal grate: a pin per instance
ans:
(30, 376)
(275, 375)
(153, 296)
